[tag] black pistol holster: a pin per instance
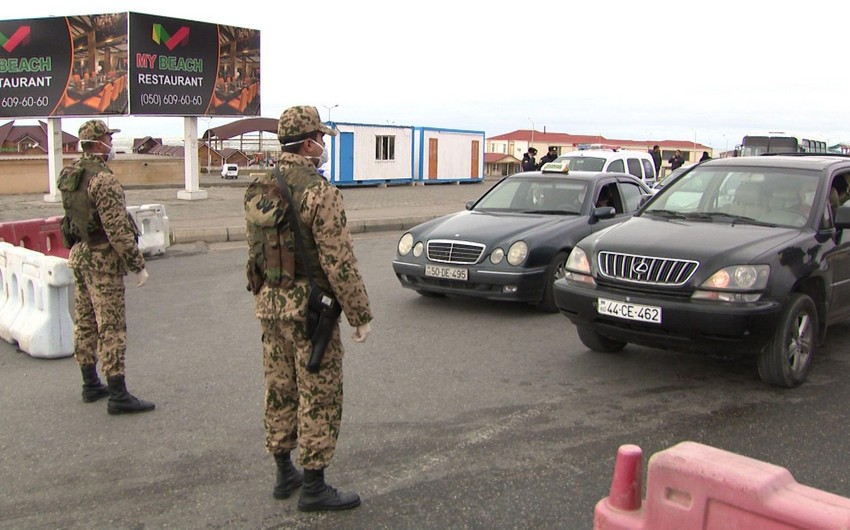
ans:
(323, 312)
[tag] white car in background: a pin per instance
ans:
(229, 171)
(637, 163)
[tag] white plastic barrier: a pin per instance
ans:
(10, 304)
(35, 313)
(153, 225)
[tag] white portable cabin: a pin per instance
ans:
(370, 154)
(363, 154)
(448, 155)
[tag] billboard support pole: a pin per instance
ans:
(54, 158)
(193, 190)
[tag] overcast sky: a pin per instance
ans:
(706, 71)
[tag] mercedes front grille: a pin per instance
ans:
(454, 252)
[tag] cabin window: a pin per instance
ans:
(385, 148)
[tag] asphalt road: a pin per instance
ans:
(458, 414)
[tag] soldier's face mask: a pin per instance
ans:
(110, 155)
(322, 159)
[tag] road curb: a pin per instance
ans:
(191, 235)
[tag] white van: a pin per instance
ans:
(229, 171)
(637, 163)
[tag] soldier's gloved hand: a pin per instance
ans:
(361, 332)
(141, 277)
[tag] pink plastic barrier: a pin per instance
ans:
(694, 486)
(40, 235)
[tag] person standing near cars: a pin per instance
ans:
(104, 245)
(676, 161)
(655, 153)
(529, 163)
(302, 409)
(550, 156)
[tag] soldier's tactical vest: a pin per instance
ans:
(82, 220)
(274, 257)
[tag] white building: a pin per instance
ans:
(363, 154)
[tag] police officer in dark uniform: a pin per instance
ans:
(550, 156)
(104, 246)
(529, 163)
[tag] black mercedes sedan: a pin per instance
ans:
(511, 244)
(737, 256)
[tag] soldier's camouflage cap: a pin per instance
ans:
(94, 129)
(299, 120)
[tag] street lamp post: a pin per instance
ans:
(329, 109)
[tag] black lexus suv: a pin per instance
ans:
(738, 255)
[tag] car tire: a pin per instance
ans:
(553, 272)
(429, 294)
(597, 342)
(787, 358)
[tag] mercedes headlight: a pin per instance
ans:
(405, 244)
(517, 253)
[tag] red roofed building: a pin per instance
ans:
(31, 140)
(499, 165)
(517, 143)
(144, 145)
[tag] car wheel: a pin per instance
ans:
(597, 342)
(554, 272)
(787, 358)
(429, 294)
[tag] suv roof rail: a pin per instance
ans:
(839, 155)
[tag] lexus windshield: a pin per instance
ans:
(769, 196)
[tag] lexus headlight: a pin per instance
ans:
(517, 253)
(405, 244)
(578, 262)
(578, 267)
(738, 283)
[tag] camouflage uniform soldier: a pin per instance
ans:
(302, 409)
(103, 241)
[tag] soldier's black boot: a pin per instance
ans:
(93, 389)
(288, 478)
(318, 496)
(123, 402)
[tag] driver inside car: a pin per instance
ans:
(537, 196)
(604, 197)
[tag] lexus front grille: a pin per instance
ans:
(454, 252)
(646, 270)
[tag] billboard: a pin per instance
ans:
(127, 64)
(186, 68)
